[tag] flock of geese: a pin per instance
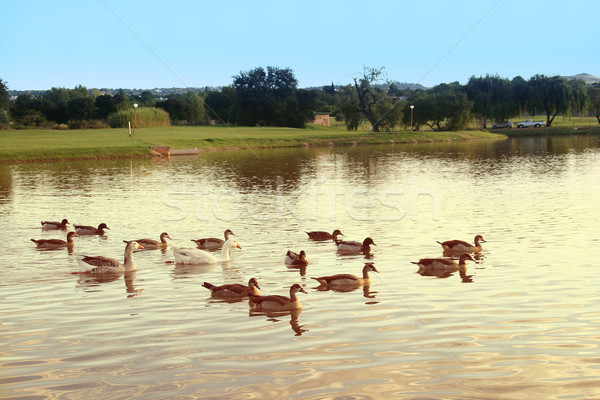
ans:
(203, 253)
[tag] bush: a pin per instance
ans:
(87, 124)
(145, 117)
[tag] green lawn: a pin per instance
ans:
(30, 145)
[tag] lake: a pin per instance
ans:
(522, 321)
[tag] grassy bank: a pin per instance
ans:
(32, 145)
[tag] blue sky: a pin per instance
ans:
(180, 43)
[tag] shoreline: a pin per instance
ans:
(344, 141)
(29, 146)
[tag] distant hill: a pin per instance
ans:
(587, 78)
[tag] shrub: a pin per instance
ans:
(145, 117)
(87, 124)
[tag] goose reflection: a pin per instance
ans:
(277, 316)
(92, 282)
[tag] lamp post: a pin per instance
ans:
(412, 107)
(135, 106)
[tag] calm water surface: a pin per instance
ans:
(521, 322)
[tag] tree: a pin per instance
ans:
(373, 102)
(445, 106)
(555, 95)
(81, 108)
(196, 106)
(264, 97)
(179, 110)
(4, 98)
(492, 98)
(349, 107)
(221, 104)
(105, 105)
(594, 100)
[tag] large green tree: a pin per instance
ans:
(492, 98)
(445, 106)
(265, 97)
(555, 95)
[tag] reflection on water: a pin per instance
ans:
(529, 314)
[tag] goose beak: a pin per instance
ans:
(238, 246)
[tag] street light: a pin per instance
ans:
(135, 106)
(412, 107)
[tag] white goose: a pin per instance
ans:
(106, 265)
(185, 255)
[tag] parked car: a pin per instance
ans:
(530, 122)
(503, 124)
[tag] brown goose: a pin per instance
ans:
(277, 302)
(106, 265)
(212, 243)
(55, 243)
(322, 235)
(460, 246)
(50, 225)
(444, 263)
(234, 290)
(349, 246)
(155, 244)
(292, 258)
(348, 279)
(90, 230)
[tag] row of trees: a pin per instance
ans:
(270, 97)
(453, 106)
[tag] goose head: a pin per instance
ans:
(368, 241)
(71, 235)
(132, 245)
(478, 239)
(464, 257)
(227, 233)
(102, 226)
(337, 233)
(369, 267)
(231, 242)
(253, 282)
(164, 236)
(295, 288)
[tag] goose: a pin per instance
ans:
(292, 258)
(106, 265)
(55, 243)
(155, 244)
(234, 290)
(322, 235)
(196, 256)
(444, 263)
(460, 246)
(348, 279)
(212, 243)
(90, 230)
(277, 302)
(49, 225)
(354, 247)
